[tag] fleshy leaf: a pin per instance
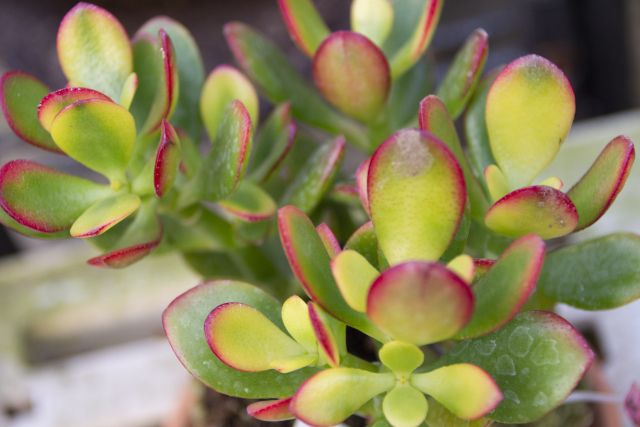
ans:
(273, 142)
(506, 287)
(94, 49)
(464, 73)
(306, 27)
(419, 302)
(249, 203)
(463, 266)
(496, 182)
(537, 359)
(353, 74)
(124, 257)
(309, 262)
(414, 47)
(365, 242)
(295, 316)
(353, 275)
(331, 396)
(97, 133)
(324, 333)
(404, 406)
(439, 416)
(417, 196)
(104, 214)
(362, 175)
(223, 85)
(20, 94)
(598, 274)
(400, 357)
(553, 182)
(530, 108)
(599, 187)
(538, 209)
(372, 18)
(44, 199)
(168, 89)
(167, 159)
(245, 339)
(271, 410)
(56, 101)
(464, 389)
(329, 240)
(316, 176)
(190, 71)
(14, 225)
(186, 312)
(129, 89)
(280, 82)
(224, 167)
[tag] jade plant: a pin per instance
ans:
(433, 252)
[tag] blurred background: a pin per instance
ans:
(83, 347)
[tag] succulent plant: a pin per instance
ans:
(443, 264)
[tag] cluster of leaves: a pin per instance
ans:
(444, 265)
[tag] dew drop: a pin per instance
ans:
(485, 348)
(546, 353)
(540, 399)
(520, 341)
(505, 365)
(512, 396)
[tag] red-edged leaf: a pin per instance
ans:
(365, 242)
(309, 262)
(104, 214)
(329, 240)
(505, 288)
(326, 337)
(306, 26)
(44, 199)
(20, 94)
(271, 410)
(167, 159)
(249, 203)
(56, 101)
(483, 265)
(124, 257)
(417, 196)
(420, 302)
(599, 187)
(362, 174)
(353, 74)
(537, 209)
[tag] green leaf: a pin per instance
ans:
(97, 133)
(353, 74)
(354, 276)
(223, 85)
(20, 94)
(104, 214)
(329, 240)
(56, 101)
(273, 142)
(249, 203)
(328, 332)
(190, 71)
(167, 159)
(464, 389)
(407, 91)
(271, 410)
(331, 396)
(529, 111)
(464, 73)
(365, 242)
(14, 225)
(404, 406)
(419, 302)
(306, 27)
(538, 209)
(224, 167)
(463, 266)
(599, 187)
(245, 339)
(415, 46)
(475, 127)
(199, 229)
(417, 196)
(439, 416)
(316, 177)
(506, 287)
(270, 69)
(598, 274)
(94, 50)
(496, 182)
(183, 322)
(309, 262)
(372, 18)
(537, 359)
(129, 89)
(44, 199)
(401, 357)
(295, 316)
